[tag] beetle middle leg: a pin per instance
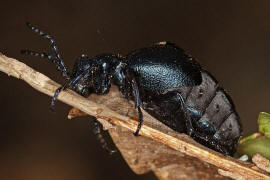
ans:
(138, 106)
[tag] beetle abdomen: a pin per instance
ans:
(219, 121)
(213, 103)
(217, 125)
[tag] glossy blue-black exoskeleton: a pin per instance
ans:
(166, 82)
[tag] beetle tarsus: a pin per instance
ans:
(140, 122)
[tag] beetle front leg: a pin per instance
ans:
(125, 91)
(67, 85)
(100, 138)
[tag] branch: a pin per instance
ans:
(184, 144)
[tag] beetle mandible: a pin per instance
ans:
(166, 82)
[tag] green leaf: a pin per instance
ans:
(250, 137)
(264, 123)
(259, 145)
(257, 142)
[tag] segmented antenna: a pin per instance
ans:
(54, 47)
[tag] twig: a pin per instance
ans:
(261, 162)
(14, 68)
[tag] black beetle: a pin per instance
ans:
(166, 82)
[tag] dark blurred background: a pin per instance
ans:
(229, 38)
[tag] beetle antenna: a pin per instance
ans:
(53, 45)
(49, 57)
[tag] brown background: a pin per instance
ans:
(229, 38)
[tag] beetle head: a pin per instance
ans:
(98, 73)
(83, 66)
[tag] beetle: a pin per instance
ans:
(165, 81)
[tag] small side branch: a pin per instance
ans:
(42, 83)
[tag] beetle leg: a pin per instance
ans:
(140, 121)
(138, 106)
(190, 128)
(67, 85)
(100, 138)
(125, 91)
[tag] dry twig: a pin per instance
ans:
(261, 162)
(183, 144)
